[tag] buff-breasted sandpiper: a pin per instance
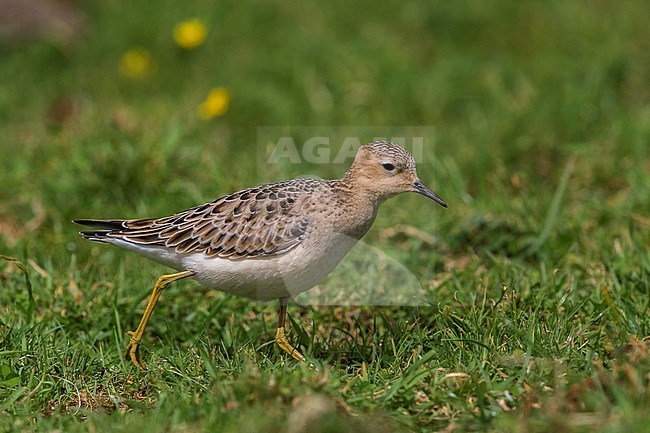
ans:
(267, 242)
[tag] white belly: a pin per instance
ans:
(267, 278)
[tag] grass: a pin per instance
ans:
(536, 307)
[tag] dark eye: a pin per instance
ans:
(388, 166)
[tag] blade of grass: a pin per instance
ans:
(554, 210)
(29, 311)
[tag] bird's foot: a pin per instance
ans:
(132, 351)
(281, 340)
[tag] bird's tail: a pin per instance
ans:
(106, 226)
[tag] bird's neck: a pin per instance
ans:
(357, 208)
(360, 190)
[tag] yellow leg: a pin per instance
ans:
(132, 352)
(280, 338)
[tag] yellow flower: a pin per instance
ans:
(215, 104)
(136, 63)
(190, 34)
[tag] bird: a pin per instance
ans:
(268, 242)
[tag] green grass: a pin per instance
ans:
(536, 313)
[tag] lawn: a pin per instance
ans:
(533, 288)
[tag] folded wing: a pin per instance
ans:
(256, 222)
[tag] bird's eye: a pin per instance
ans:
(388, 166)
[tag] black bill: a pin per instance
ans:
(421, 189)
